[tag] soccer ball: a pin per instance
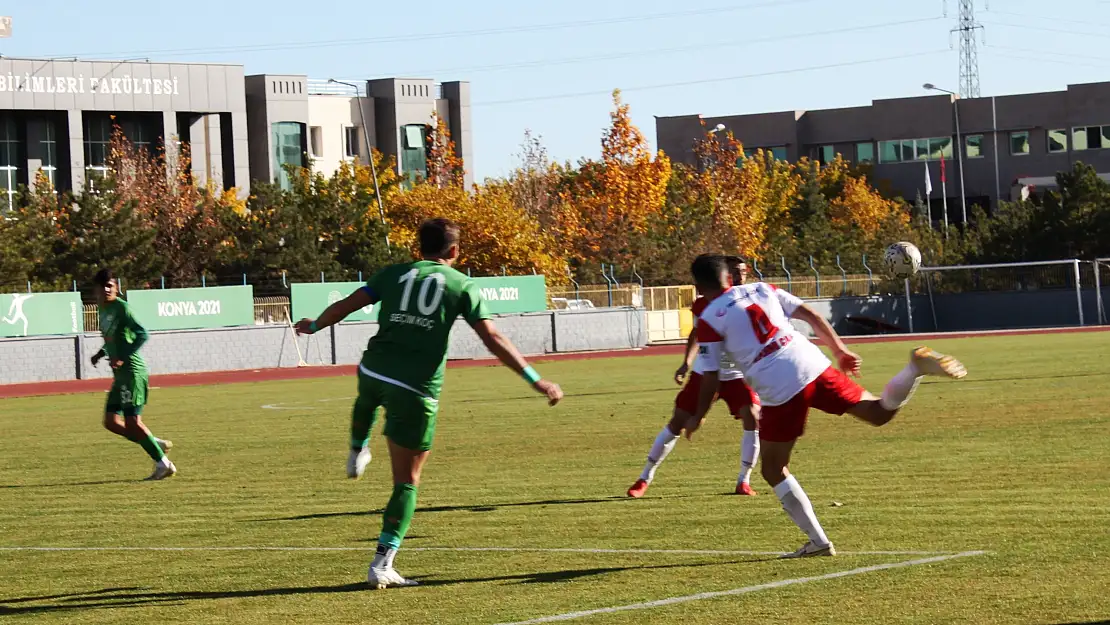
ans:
(902, 259)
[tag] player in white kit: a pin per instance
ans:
(791, 374)
(741, 402)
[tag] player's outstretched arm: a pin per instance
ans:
(710, 382)
(336, 312)
(499, 345)
(688, 357)
(848, 361)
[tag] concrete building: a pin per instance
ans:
(57, 117)
(293, 119)
(1008, 142)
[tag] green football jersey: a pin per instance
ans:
(419, 303)
(123, 334)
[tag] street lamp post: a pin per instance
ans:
(959, 145)
(369, 153)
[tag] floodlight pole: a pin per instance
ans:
(369, 154)
(959, 144)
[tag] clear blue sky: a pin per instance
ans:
(518, 71)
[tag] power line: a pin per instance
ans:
(1051, 30)
(331, 43)
(655, 51)
(1037, 59)
(686, 83)
(1062, 54)
(1048, 19)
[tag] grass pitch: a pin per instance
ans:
(1013, 460)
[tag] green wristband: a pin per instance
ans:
(312, 328)
(530, 374)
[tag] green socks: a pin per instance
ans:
(152, 448)
(398, 515)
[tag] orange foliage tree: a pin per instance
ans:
(445, 168)
(611, 202)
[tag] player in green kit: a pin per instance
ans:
(123, 336)
(402, 370)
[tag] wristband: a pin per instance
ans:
(312, 327)
(530, 374)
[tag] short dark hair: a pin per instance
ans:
(735, 260)
(437, 236)
(104, 276)
(707, 270)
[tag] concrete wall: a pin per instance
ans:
(264, 347)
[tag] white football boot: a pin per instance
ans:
(357, 461)
(380, 579)
(811, 550)
(162, 472)
(929, 362)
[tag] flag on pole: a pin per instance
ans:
(928, 181)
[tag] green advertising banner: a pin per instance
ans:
(182, 309)
(311, 298)
(513, 294)
(38, 314)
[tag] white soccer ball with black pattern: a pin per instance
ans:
(903, 259)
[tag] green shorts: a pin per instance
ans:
(128, 393)
(410, 418)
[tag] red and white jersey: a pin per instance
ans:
(751, 322)
(719, 360)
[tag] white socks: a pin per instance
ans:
(900, 388)
(749, 453)
(383, 558)
(800, 510)
(662, 446)
(164, 462)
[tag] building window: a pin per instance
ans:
(973, 146)
(316, 141)
(351, 142)
(288, 147)
(778, 152)
(9, 164)
(1090, 137)
(98, 136)
(1058, 140)
(50, 153)
(414, 152)
(909, 150)
(865, 152)
(826, 153)
(1019, 143)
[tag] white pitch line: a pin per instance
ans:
(705, 552)
(741, 591)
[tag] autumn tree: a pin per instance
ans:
(610, 202)
(445, 167)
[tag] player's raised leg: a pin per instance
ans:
(363, 415)
(923, 362)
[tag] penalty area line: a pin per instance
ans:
(741, 591)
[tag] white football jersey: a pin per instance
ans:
(719, 360)
(751, 323)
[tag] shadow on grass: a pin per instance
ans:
(466, 508)
(64, 484)
(123, 598)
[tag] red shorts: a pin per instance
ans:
(736, 393)
(832, 392)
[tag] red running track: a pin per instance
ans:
(65, 387)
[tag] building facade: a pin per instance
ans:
(298, 121)
(1006, 142)
(57, 117)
